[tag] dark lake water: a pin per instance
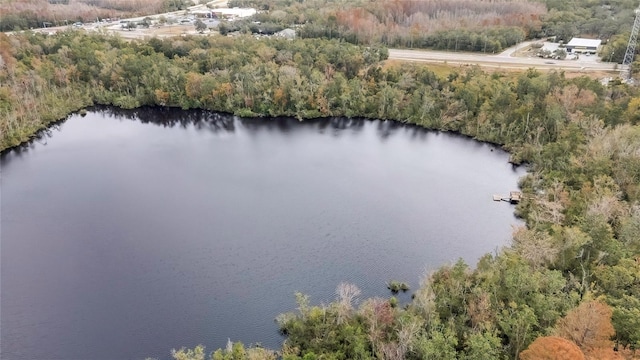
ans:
(126, 234)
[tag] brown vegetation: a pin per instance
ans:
(410, 23)
(435, 15)
(23, 14)
(608, 354)
(588, 325)
(552, 348)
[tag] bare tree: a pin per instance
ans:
(391, 351)
(379, 317)
(347, 294)
(409, 328)
(200, 26)
(535, 247)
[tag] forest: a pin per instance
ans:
(487, 26)
(569, 282)
(31, 14)
(462, 25)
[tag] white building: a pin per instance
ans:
(583, 46)
(234, 13)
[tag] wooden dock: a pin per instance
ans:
(514, 197)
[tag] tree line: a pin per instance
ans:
(577, 258)
(490, 25)
(477, 25)
(18, 15)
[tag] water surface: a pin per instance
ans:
(126, 234)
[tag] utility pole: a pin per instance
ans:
(625, 68)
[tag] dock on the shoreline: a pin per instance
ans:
(514, 197)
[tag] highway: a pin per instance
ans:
(504, 60)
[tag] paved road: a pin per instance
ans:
(504, 60)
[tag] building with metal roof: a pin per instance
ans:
(583, 46)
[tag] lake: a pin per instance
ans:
(128, 233)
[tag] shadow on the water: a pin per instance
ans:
(220, 123)
(39, 138)
(172, 117)
(387, 128)
(288, 124)
(223, 122)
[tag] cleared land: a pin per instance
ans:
(506, 60)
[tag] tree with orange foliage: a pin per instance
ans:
(552, 348)
(588, 325)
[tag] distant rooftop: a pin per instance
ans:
(287, 33)
(244, 12)
(579, 42)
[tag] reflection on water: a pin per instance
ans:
(128, 232)
(214, 122)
